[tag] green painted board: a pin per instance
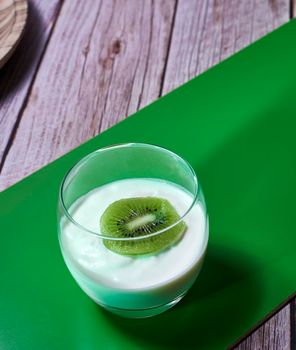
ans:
(236, 125)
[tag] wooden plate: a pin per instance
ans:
(13, 16)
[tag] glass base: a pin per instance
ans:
(142, 313)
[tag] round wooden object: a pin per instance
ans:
(13, 16)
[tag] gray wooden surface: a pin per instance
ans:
(82, 66)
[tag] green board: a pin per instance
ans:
(236, 125)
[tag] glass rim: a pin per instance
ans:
(122, 145)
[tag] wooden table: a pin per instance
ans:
(82, 66)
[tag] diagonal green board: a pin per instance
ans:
(236, 125)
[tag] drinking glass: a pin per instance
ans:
(110, 165)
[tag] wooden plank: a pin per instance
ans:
(293, 323)
(17, 75)
(109, 78)
(104, 61)
(272, 335)
(207, 32)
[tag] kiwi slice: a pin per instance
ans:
(134, 217)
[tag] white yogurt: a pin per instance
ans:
(133, 282)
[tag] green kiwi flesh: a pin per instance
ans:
(140, 216)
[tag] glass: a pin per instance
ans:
(131, 286)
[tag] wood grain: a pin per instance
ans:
(219, 29)
(272, 335)
(112, 57)
(104, 61)
(17, 75)
(13, 16)
(293, 323)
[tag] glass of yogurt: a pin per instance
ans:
(133, 227)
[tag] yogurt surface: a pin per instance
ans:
(86, 255)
